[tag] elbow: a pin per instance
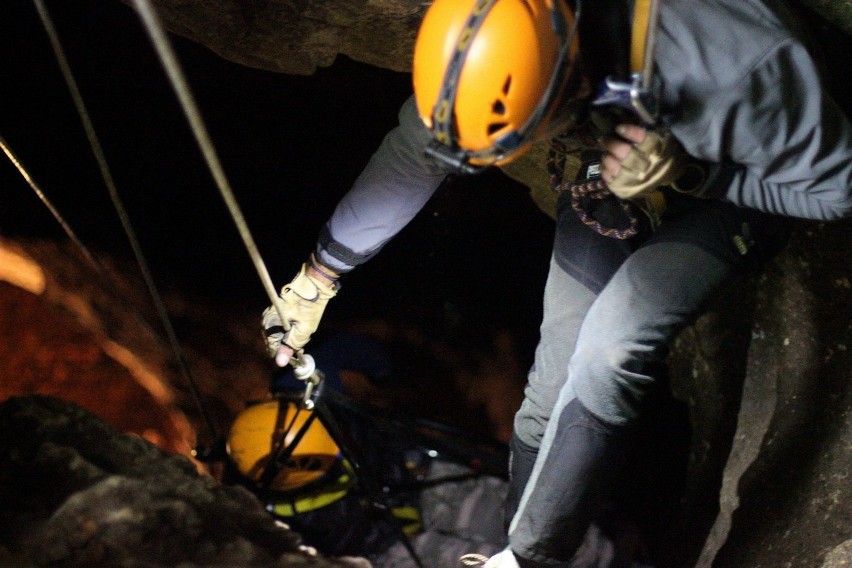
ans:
(830, 211)
(841, 206)
(833, 199)
(835, 210)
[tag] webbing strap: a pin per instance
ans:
(442, 118)
(641, 63)
(639, 35)
(642, 39)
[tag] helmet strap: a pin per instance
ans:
(281, 451)
(442, 116)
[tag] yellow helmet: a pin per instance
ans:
(488, 75)
(270, 428)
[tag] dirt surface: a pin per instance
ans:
(45, 351)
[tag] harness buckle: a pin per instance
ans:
(457, 159)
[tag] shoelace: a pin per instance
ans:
(473, 559)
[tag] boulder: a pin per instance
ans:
(77, 493)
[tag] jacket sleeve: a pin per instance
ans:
(394, 186)
(785, 143)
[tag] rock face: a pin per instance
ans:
(298, 37)
(779, 343)
(75, 492)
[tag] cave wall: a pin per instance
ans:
(768, 479)
(765, 373)
(89, 334)
(298, 37)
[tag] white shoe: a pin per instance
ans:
(504, 559)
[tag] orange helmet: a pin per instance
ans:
(488, 75)
(269, 429)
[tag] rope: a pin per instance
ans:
(583, 192)
(181, 87)
(53, 210)
(97, 149)
(111, 285)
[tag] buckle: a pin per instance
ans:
(456, 159)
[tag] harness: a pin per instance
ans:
(640, 97)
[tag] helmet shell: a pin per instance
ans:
(507, 70)
(256, 431)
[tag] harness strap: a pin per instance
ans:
(639, 51)
(641, 61)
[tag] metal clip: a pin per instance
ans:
(640, 96)
(306, 371)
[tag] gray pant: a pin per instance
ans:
(611, 309)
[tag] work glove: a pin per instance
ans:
(656, 161)
(303, 302)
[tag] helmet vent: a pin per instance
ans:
(496, 127)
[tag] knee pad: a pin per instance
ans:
(521, 462)
(615, 387)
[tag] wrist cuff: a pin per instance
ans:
(323, 270)
(332, 279)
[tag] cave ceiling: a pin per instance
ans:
(298, 37)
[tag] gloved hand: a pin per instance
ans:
(655, 159)
(303, 301)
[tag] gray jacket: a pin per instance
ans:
(739, 90)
